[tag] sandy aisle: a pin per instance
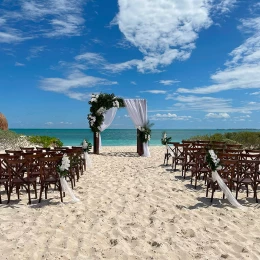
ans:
(131, 208)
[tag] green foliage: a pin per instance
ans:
(247, 139)
(10, 140)
(145, 132)
(98, 105)
(45, 141)
(165, 139)
(88, 146)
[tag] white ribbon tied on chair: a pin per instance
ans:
(65, 187)
(226, 190)
(88, 163)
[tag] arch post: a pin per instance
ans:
(140, 149)
(96, 142)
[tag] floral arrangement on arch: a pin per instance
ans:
(145, 132)
(100, 103)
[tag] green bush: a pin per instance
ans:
(247, 139)
(45, 141)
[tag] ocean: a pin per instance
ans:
(122, 137)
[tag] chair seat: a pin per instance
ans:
(243, 180)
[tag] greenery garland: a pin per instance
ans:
(145, 132)
(99, 103)
(212, 160)
(165, 139)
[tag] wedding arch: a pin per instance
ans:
(103, 108)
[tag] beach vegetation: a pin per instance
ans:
(249, 140)
(45, 141)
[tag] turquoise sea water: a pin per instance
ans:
(121, 137)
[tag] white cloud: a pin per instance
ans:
(57, 18)
(168, 82)
(133, 83)
(210, 104)
(169, 116)
(220, 115)
(65, 123)
(35, 52)
(255, 93)
(242, 71)
(154, 91)
(18, 64)
(74, 81)
(162, 30)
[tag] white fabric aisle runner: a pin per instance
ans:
(88, 163)
(226, 190)
(67, 189)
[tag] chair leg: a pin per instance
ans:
(46, 189)
(29, 194)
(61, 195)
(40, 198)
(212, 195)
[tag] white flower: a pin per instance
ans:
(84, 145)
(116, 104)
(93, 100)
(149, 137)
(65, 164)
(101, 110)
(164, 136)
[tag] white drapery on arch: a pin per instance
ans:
(109, 116)
(137, 109)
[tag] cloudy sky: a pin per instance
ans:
(197, 62)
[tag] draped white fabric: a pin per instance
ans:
(109, 116)
(68, 190)
(137, 109)
(226, 190)
(87, 160)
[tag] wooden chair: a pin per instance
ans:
(3, 174)
(234, 146)
(189, 161)
(247, 175)
(227, 173)
(49, 175)
(17, 177)
(178, 155)
(201, 168)
(27, 149)
(169, 153)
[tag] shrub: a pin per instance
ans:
(45, 141)
(247, 139)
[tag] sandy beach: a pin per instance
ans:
(130, 207)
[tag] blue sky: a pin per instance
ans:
(197, 62)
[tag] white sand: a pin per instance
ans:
(131, 208)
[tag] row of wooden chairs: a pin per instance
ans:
(244, 171)
(30, 168)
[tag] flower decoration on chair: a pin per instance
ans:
(213, 160)
(63, 169)
(99, 104)
(165, 139)
(86, 146)
(145, 132)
